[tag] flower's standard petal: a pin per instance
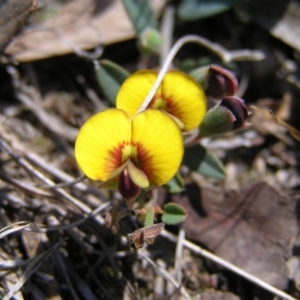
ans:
(179, 95)
(99, 144)
(134, 91)
(185, 98)
(159, 145)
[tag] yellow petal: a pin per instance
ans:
(99, 143)
(179, 94)
(159, 145)
(134, 90)
(186, 99)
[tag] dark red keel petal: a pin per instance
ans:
(127, 188)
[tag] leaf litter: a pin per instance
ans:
(253, 229)
(74, 24)
(68, 252)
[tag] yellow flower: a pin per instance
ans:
(137, 152)
(179, 95)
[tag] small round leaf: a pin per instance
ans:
(173, 214)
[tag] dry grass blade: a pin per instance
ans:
(25, 164)
(31, 99)
(166, 275)
(35, 264)
(79, 222)
(12, 264)
(15, 227)
(295, 133)
(66, 184)
(178, 255)
(70, 275)
(17, 146)
(23, 186)
(54, 171)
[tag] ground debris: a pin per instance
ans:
(253, 229)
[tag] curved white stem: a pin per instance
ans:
(224, 54)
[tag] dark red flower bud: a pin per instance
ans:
(230, 114)
(127, 188)
(238, 108)
(221, 83)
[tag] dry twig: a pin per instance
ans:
(166, 275)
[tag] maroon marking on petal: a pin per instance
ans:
(144, 161)
(141, 161)
(172, 108)
(127, 188)
(115, 157)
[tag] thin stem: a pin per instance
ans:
(167, 28)
(224, 54)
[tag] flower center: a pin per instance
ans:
(129, 151)
(159, 102)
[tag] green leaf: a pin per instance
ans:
(175, 185)
(198, 159)
(173, 214)
(110, 78)
(140, 14)
(191, 10)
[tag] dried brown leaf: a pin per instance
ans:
(251, 229)
(147, 234)
(13, 14)
(264, 123)
(77, 24)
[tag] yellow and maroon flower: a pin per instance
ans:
(179, 95)
(134, 152)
